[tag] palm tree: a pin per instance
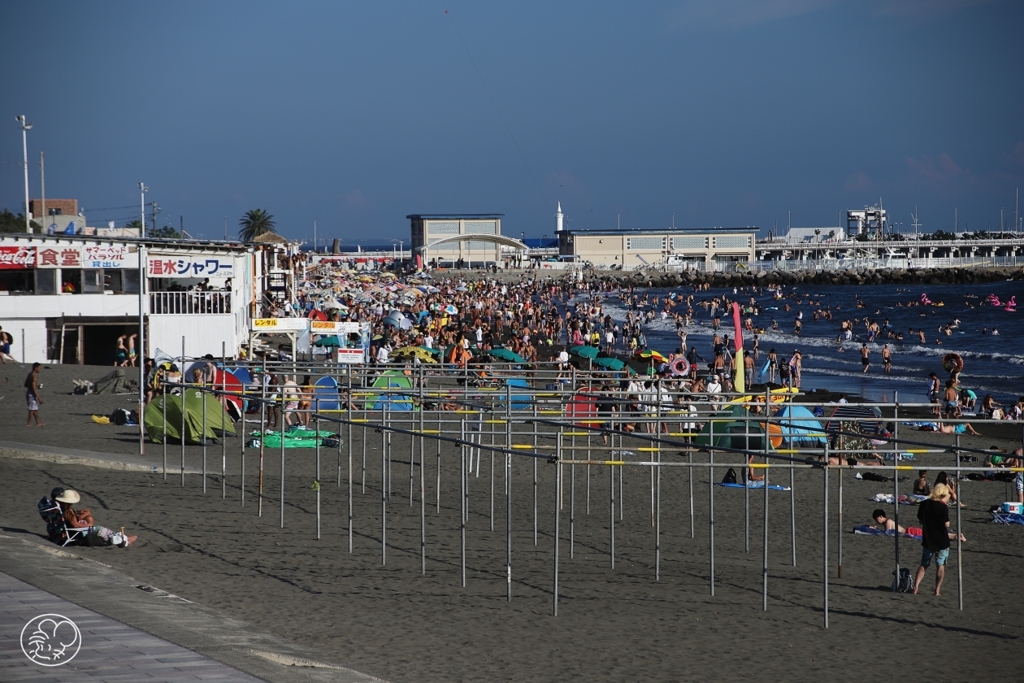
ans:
(255, 223)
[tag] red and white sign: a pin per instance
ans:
(352, 356)
(58, 257)
(17, 258)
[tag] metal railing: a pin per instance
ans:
(189, 303)
(549, 421)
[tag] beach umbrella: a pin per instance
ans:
(652, 356)
(609, 363)
(506, 355)
(328, 341)
(424, 355)
(584, 351)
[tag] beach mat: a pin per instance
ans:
(867, 530)
(755, 485)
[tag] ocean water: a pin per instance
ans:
(992, 363)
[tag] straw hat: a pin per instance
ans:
(69, 496)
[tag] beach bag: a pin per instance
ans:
(730, 477)
(120, 416)
(905, 582)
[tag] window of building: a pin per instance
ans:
(645, 243)
(112, 280)
(71, 280)
(46, 281)
(92, 281)
(16, 281)
(690, 242)
(443, 228)
(130, 281)
(732, 242)
(482, 228)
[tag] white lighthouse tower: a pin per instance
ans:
(559, 217)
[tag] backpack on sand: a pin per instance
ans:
(905, 583)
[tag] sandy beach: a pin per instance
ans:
(617, 624)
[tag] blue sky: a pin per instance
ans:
(724, 113)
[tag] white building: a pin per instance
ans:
(68, 299)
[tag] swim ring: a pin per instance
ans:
(679, 366)
(952, 362)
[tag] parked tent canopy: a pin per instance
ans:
(196, 403)
(390, 380)
(860, 415)
(116, 383)
(729, 429)
(799, 427)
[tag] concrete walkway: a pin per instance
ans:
(152, 463)
(110, 651)
(132, 632)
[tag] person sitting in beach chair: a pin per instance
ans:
(57, 528)
(78, 526)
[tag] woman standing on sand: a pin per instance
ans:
(120, 353)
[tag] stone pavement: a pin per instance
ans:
(110, 651)
(132, 632)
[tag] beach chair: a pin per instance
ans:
(57, 528)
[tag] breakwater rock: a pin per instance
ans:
(865, 276)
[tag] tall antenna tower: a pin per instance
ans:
(916, 224)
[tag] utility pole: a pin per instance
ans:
(42, 186)
(153, 208)
(140, 350)
(25, 128)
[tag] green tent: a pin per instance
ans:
(196, 402)
(731, 430)
(390, 379)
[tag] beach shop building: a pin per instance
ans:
(67, 299)
(710, 249)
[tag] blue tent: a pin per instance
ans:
(325, 394)
(243, 375)
(519, 401)
(800, 428)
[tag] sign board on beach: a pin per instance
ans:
(193, 266)
(17, 258)
(331, 327)
(106, 256)
(352, 355)
(280, 324)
